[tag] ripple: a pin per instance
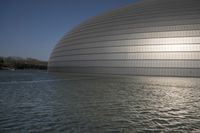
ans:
(98, 104)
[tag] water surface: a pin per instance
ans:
(35, 101)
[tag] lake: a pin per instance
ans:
(35, 101)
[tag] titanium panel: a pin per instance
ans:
(150, 37)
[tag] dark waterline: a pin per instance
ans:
(35, 101)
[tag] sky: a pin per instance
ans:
(31, 28)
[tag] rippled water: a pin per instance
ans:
(32, 101)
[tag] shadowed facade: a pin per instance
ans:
(151, 37)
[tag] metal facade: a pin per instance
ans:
(151, 37)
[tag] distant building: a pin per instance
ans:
(151, 37)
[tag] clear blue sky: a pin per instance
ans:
(31, 28)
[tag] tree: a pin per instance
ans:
(1, 62)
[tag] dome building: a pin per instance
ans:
(150, 37)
